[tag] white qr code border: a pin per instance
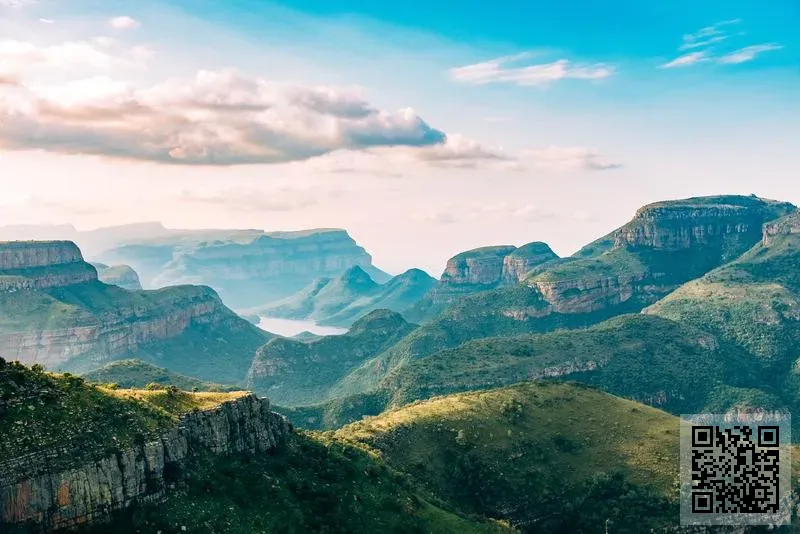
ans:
(694, 487)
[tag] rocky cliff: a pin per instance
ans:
(55, 312)
(785, 226)
(663, 246)
(480, 270)
(42, 265)
(247, 268)
(30, 492)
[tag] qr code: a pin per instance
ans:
(734, 471)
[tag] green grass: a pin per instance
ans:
(306, 485)
(42, 411)
(138, 374)
(545, 456)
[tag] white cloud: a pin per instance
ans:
(124, 23)
(47, 21)
(499, 70)
(16, 3)
(217, 118)
(748, 53)
(703, 40)
(686, 60)
(708, 35)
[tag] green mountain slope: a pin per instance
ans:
(305, 484)
(341, 301)
(665, 245)
(295, 372)
(138, 374)
(546, 457)
(753, 302)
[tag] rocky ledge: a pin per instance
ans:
(55, 500)
(42, 265)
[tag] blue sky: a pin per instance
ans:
(528, 121)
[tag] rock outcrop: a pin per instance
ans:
(785, 226)
(54, 311)
(42, 265)
(664, 245)
(247, 268)
(53, 500)
(479, 270)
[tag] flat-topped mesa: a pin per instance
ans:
(524, 259)
(784, 226)
(481, 266)
(731, 222)
(42, 265)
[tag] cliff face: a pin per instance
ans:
(478, 270)
(664, 245)
(55, 313)
(42, 265)
(120, 331)
(786, 226)
(247, 269)
(89, 493)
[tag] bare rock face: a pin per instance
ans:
(122, 331)
(483, 266)
(90, 492)
(663, 246)
(784, 226)
(523, 260)
(42, 265)
(53, 309)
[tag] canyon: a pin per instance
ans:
(57, 313)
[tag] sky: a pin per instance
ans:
(423, 128)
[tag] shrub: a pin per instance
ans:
(152, 386)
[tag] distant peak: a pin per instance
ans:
(356, 275)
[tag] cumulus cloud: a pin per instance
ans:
(124, 23)
(217, 118)
(501, 70)
(257, 200)
(705, 42)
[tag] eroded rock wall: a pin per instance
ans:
(55, 500)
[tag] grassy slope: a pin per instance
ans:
(39, 411)
(484, 314)
(221, 351)
(138, 374)
(306, 485)
(650, 359)
(548, 457)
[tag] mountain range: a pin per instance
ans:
(521, 392)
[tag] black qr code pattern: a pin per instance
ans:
(735, 470)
